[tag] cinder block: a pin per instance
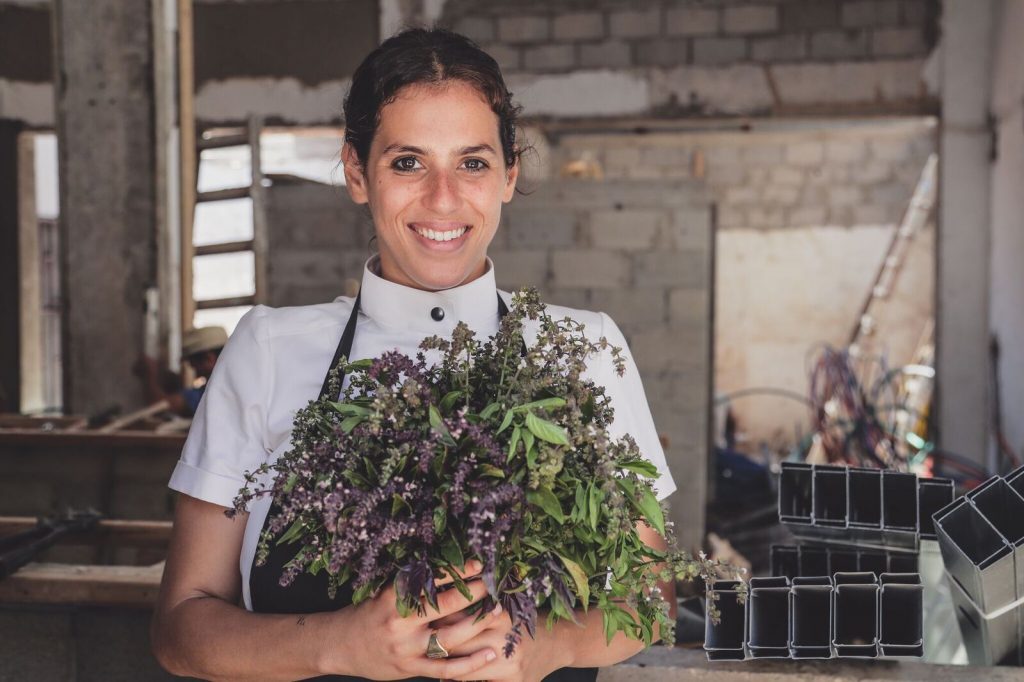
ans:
(805, 15)
(808, 216)
(718, 51)
(763, 154)
(691, 21)
(839, 44)
(589, 268)
(869, 13)
(557, 57)
(638, 23)
(786, 175)
(519, 268)
(671, 269)
(744, 194)
(687, 229)
(659, 350)
(785, 195)
(509, 58)
(570, 298)
(479, 29)
(898, 42)
(810, 153)
(890, 149)
(578, 26)
(627, 230)
(789, 47)
(635, 308)
(729, 217)
(852, 150)
(662, 52)
(747, 19)
(688, 308)
(536, 228)
(844, 195)
(915, 12)
(872, 214)
(524, 29)
(871, 171)
(763, 218)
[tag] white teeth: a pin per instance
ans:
(441, 236)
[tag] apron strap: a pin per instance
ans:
(344, 348)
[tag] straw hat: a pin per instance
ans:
(202, 339)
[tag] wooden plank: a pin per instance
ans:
(24, 421)
(132, 417)
(229, 302)
(188, 154)
(224, 247)
(48, 583)
(144, 442)
(115, 532)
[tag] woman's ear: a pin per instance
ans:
(355, 176)
(511, 175)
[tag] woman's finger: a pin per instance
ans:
(453, 636)
(457, 668)
(472, 568)
(450, 601)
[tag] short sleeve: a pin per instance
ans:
(228, 433)
(632, 414)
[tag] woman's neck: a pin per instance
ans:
(384, 269)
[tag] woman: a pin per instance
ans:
(430, 149)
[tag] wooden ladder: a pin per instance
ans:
(248, 136)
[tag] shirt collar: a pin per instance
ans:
(399, 306)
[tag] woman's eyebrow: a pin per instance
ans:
(402, 149)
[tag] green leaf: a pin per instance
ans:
(640, 466)
(452, 553)
(350, 409)
(546, 403)
(491, 470)
(610, 627)
(362, 593)
(513, 443)
(449, 400)
(546, 430)
(489, 411)
(546, 500)
(397, 503)
(594, 505)
(292, 534)
(293, 478)
(587, 408)
(531, 454)
(440, 520)
(460, 585)
(505, 422)
(366, 363)
(579, 576)
(349, 423)
(652, 511)
(437, 424)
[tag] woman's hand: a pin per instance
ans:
(532, 661)
(388, 646)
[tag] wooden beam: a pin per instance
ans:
(113, 532)
(66, 584)
(144, 442)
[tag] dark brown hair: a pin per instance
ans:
(425, 56)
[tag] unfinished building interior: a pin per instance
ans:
(761, 194)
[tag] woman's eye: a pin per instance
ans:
(476, 165)
(406, 163)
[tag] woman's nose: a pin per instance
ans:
(442, 193)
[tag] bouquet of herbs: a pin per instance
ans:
(500, 452)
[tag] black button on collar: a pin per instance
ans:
(437, 313)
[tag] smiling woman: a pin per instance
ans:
(430, 148)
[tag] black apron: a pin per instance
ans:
(308, 593)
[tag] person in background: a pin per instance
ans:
(200, 348)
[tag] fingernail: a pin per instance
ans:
(496, 610)
(490, 656)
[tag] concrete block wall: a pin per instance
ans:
(804, 215)
(638, 250)
(682, 57)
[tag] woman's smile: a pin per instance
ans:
(441, 236)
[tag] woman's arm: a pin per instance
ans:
(198, 629)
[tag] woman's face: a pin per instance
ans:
(435, 181)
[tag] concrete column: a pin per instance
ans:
(105, 127)
(964, 238)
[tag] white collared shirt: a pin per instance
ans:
(275, 362)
